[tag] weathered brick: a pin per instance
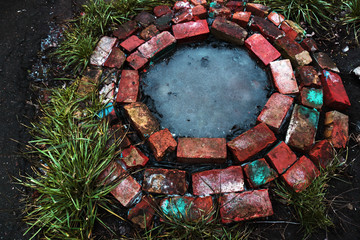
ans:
(89, 81)
(228, 31)
(219, 11)
(143, 213)
(133, 157)
(257, 9)
(245, 206)
(199, 12)
(163, 23)
(251, 142)
(337, 128)
(216, 181)
(157, 45)
(289, 32)
(131, 43)
(276, 18)
(149, 32)
(300, 32)
(335, 95)
(102, 50)
(311, 97)
(118, 133)
(201, 150)
(235, 6)
(162, 143)
(137, 61)
(165, 181)
(275, 111)
(145, 19)
(309, 45)
(128, 87)
(324, 62)
(293, 51)
(284, 77)
(301, 132)
(281, 157)
(242, 18)
(266, 28)
(181, 5)
(142, 119)
(189, 209)
(198, 2)
(301, 174)
(126, 30)
(262, 48)
(191, 31)
(258, 173)
(185, 15)
(322, 153)
(161, 10)
(308, 77)
(116, 58)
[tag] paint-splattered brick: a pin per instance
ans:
(302, 129)
(190, 209)
(251, 142)
(259, 173)
(276, 18)
(216, 181)
(309, 44)
(337, 128)
(191, 31)
(262, 48)
(128, 87)
(161, 10)
(198, 2)
(311, 97)
(165, 181)
(281, 157)
(181, 5)
(335, 95)
(199, 12)
(257, 9)
(143, 213)
(266, 28)
(308, 77)
(324, 62)
(142, 119)
(131, 43)
(241, 18)
(284, 77)
(133, 157)
(322, 153)
(137, 61)
(219, 11)
(235, 6)
(149, 32)
(228, 31)
(126, 30)
(202, 150)
(235, 207)
(102, 50)
(275, 111)
(293, 51)
(301, 174)
(162, 143)
(116, 58)
(183, 16)
(145, 19)
(157, 45)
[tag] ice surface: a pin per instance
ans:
(205, 91)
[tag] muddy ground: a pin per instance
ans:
(23, 23)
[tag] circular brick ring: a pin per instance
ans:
(280, 45)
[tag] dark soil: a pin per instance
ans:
(23, 23)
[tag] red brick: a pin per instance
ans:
(181, 5)
(251, 142)
(198, 2)
(301, 174)
(219, 11)
(201, 150)
(259, 173)
(131, 43)
(183, 16)
(281, 157)
(324, 62)
(162, 143)
(266, 28)
(309, 45)
(191, 31)
(276, 18)
(126, 30)
(322, 153)
(302, 128)
(311, 97)
(116, 58)
(137, 61)
(102, 50)
(189, 209)
(149, 32)
(235, 6)
(127, 188)
(275, 111)
(241, 18)
(216, 181)
(235, 207)
(257, 9)
(337, 128)
(199, 12)
(165, 181)
(133, 157)
(228, 31)
(262, 48)
(118, 133)
(335, 95)
(163, 23)
(145, 19)
(292, 30)
(292, 50)
(143, 212)
(161, 10)
(157, 44)
(284, 77)
(128, 87)
(308, 77)
(142, 119)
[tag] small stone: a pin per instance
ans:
(281, 157)
(198, 2)
(235, 207)
(157, 45)
(145, 19)
(202, 150)
(257, 9)
(131, 43)
(259, 173)
(199, 12)
(284, 77)
(301, 174)
(257, 44)
(308, 77)
(185, 15)
(266, 28)
(235, 6)
(276, 18)
(191, 31)
(356, 71)
(309, 45)
(162, 143)
(337, 128)
(165, 181)
(126, 30)
(251, 142)
(161, 10)
(137, 61)
(228, 31)
(128, 87)
(143, 213)
(293, 51)
(325, 62)
(322, 153)
(242, 18)
(275, 111)
(302, 128)
(149, 32)
(89, 81)
(163, 23)
(132, 157)
(311, 97)
(102, 50)
(216, 181)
